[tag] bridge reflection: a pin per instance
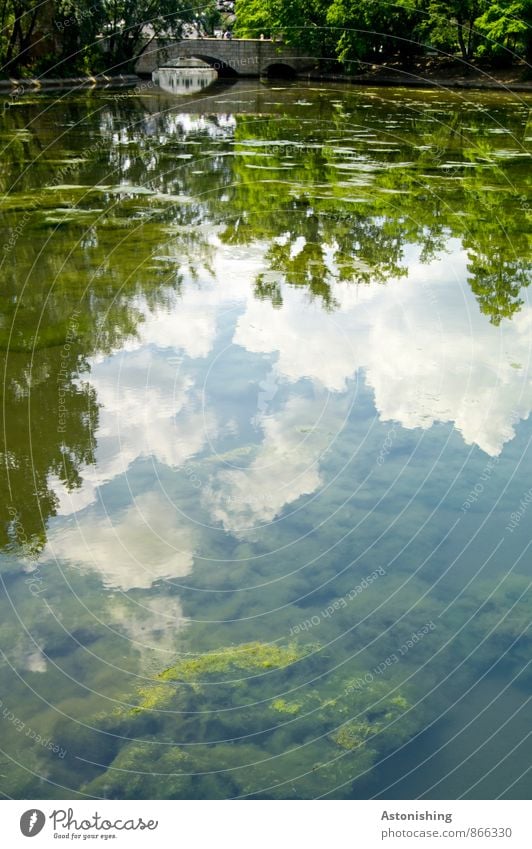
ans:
(185, 80)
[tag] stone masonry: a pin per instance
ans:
(245, 57)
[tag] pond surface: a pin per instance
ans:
(266, 491)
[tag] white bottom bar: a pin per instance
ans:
(267, 825)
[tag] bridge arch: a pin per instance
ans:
(223, 68)
(279, 71)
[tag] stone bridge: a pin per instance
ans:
(245, 57)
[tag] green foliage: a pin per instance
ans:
(255, 18)
(89, 36)
(372, 31)
(451, 25)
(375, 30)
(507, 28)
(20, 23)
(302, 23)
(124, 23)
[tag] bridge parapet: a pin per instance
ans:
(242, 57)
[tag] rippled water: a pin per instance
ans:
(266, 479)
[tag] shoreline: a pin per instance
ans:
(398, 79)
(34, 85)
(402, 82)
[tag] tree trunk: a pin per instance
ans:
(11, 59)
(470, 40)
(528, 48)
(142, 49)
(25, 42)
(461, 42)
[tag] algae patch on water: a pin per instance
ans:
(191, 749)
(283, 706)
(354, 734)
(248, 656)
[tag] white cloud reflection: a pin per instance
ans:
(426, 350)
(285, 467)
(144, 543)
(421, 343)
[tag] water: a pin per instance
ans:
(266, 489)
(186, 80)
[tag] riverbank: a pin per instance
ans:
(436, 72)
(415, 82)
(35, 84)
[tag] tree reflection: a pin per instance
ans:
(42, 440)
(77, 278)
(433, 196)
(104, 217)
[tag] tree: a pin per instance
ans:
(19, 22)
(372, 29)
(300, 23)
(254, 18)
(130, 25)
(507, 28)
(452, 23)
(84, 35)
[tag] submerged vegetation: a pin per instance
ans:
(248, 657)
(304, 725)
(342, 750)
(245, 657)
(327, 731)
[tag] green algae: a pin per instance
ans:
(130, 778)
(283, 706)
(249, 657)
(354, 734)
(156, 697)
(261, 762)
